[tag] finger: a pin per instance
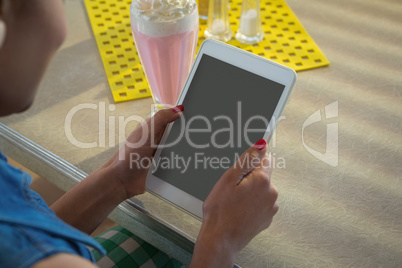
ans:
(272, 206)
(154, 127)
(249, 160)
(275, 208)
(273, 195)
(163, 117)
(266, 166)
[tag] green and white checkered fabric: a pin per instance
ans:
(124, 249)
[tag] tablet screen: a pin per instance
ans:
(226, 110)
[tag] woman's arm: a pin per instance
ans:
(87, 204)
(240, 206)
(63, 260)
(90, 201)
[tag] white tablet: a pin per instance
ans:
(232, 98)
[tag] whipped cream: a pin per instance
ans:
(162, 10)
(159, 18)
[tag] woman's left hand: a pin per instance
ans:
(89, 202)
(131, 164)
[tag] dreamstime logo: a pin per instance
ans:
(330, 156)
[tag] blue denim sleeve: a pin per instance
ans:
(29, 230)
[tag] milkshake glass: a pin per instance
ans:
(165, 34)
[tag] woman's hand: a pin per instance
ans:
(131, 164)
(241, 205)
(89, 202)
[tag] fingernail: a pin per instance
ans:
(261, 144)
(178, 108)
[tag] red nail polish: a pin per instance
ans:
(178, 108)
(261, 144)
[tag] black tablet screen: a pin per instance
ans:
(226, 110)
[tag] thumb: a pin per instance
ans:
(154, 127)
(249, 160)
(163, 117)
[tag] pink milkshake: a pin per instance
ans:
(165, 35)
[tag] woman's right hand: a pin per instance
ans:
(241, 205)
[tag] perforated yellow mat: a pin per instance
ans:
(285, 41)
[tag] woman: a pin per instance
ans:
(32, 235)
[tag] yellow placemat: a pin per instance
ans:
(285, 41)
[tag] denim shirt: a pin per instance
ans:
(29, 230)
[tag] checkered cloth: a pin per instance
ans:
(124, 249)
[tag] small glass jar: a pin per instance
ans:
(218, 26)
(250, 31)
